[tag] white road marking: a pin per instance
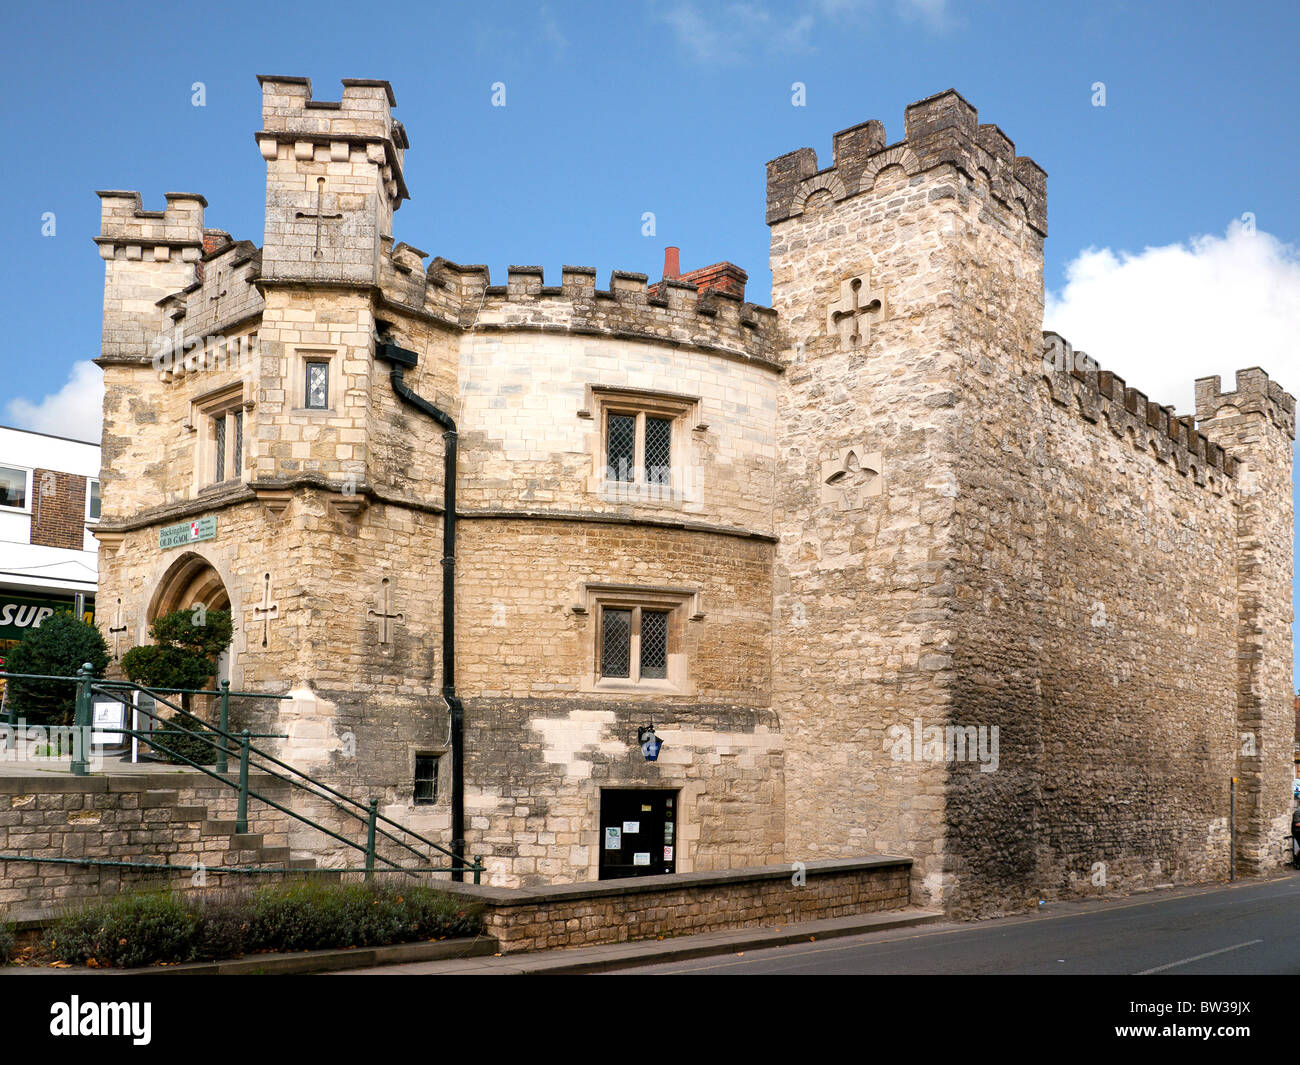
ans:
(1188, 961)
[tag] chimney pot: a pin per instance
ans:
(672, 263)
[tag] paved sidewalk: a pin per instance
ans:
(653, 952)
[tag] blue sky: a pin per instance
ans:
(613, 110)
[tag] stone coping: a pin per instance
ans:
(19, 778)
(501, 898)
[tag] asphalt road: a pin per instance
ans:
(1249, 928)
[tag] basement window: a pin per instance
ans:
(426, 779)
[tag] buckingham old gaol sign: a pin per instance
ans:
(188, 532)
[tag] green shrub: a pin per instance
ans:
(184, 653)
(59, 647)
(7, 944)
(183, 737)
(129, 931)
(140, 929)
(223, 928)
(313, 916)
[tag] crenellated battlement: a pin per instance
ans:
(938, 130)
(127, 230)
(1255, 394)
(224, 292)
(1077, 382)
(671, 311)
(360, 123)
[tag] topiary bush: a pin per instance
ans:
(187, 644)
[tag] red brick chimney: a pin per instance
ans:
(720, 277)
(672, 263)
(215, 240)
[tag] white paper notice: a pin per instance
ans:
(631, 828)
(641, 859)
(613, 839)
(107, 718)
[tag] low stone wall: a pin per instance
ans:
(614, 911)
(179, 818)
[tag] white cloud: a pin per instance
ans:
(724, 34)
(934, 13)
(551, 29)
(76, 410)
(1165, 316)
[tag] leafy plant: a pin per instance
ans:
(181, 741)
(128, 931)
(7, 944)
(143, 928)
(187, 644)
(60, 646)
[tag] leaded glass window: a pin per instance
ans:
(219, 444)
(654, 643)
(237, 455)
(622, 447)
(616, 642)
(318, 385)
(658, 450)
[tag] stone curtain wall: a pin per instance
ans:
(1256, 422)
(1010, 554)
(1138, 660)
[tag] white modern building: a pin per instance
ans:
(49, 501)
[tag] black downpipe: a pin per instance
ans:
(400, 357)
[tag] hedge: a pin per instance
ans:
(144, 928)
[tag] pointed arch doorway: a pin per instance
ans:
(190, 581)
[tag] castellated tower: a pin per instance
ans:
(333, 179)
(1026, 619)
(909, 279)
(148, 255)
(1256, 424)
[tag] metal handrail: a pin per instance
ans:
(222, 767)
(87, 685)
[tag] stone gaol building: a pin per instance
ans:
(886, 569)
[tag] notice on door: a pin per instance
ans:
(642, 858)
(613, 839)
(631, 828)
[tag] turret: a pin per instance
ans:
(333, 179)
(148, 255)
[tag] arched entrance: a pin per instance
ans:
(191, 580)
